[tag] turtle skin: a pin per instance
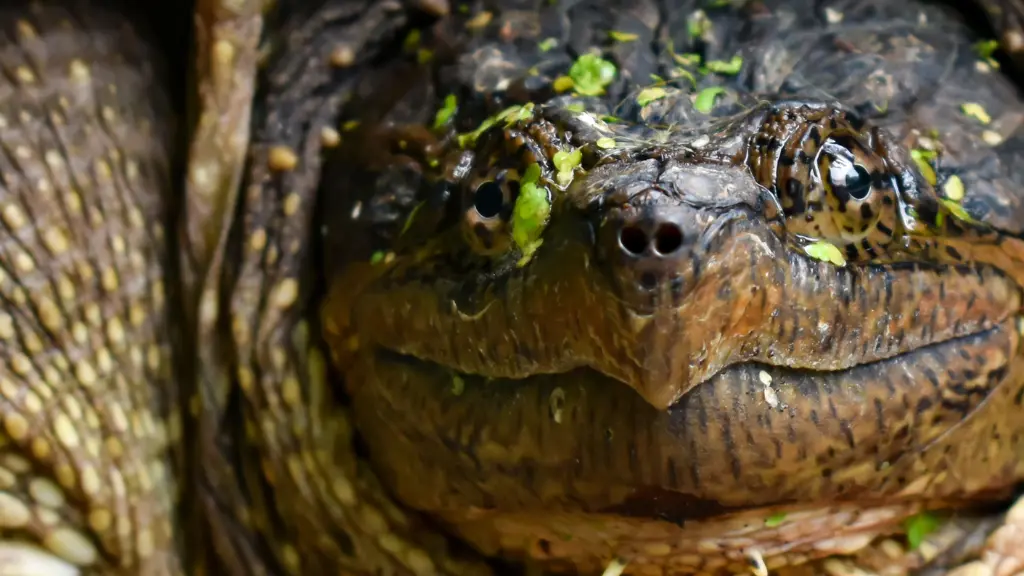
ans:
(450, 411)
(240, 369)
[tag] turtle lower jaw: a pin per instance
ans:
(940, 422)
(510, 465)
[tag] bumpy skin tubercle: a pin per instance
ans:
(89, 465)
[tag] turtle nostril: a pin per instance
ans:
(633, 240)
(668, 238)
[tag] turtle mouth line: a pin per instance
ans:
(794, 370)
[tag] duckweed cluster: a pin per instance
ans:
(531, 214)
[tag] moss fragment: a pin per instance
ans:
(565, 164)
(985, 50)
(590, 74)
(953, 188)
(731, 68)
(698, 24)
(922, 159)
(648, 95)
(705, 101)
(826, 252)
(976, 111)
(623, 36)
(918, 528)
(531, 213)
(447, 111)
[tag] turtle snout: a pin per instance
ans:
(648, 253)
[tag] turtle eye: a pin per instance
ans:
(849, 179)
(488, 199)
(844, 167)
(860, 192)
(488, 210)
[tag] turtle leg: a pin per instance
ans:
(279, 479)
(88, 402)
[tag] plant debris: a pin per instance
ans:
(954, 188)
(918, 528)
(447, 111)
(531, 213)
(732, 67)
(826, 252)
(976, 111)
(648, 95)
(623, 36)
(705, 101)
(590, 74)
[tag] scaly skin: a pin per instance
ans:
(89, 465)
(92, 460)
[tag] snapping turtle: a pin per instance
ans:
(661, 287)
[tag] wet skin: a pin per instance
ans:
(369, 362)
